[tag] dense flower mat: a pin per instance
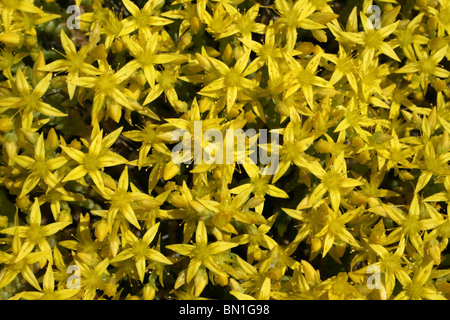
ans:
(93, 205)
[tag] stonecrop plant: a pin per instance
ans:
(117, 119)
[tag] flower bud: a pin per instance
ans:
(444, 144)
(117, 47)
(235, 286)
(227, 54)
(323, 146)
(439, 85)
(357, 142)
(148, 293)
(11, 39)
(320, 35)
(6, 124)
(316, 244)
(200, 281)
(181, 279)
(98, 52)
(140, 78)
(306, 48)
(10, 143)
(177, 200)
(435, 251)
(358, 198)
(257, 254)
(186, 41)
(221, 280)
(275, 274)
(421, 3)
(196, 24)
(114, 244)
(101, 229)
(364, 156)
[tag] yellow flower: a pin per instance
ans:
(97, 158)
(419, 287)
(92, 279)
(293, 16)
(84, 246)
(9, 7)
(121, 201)
(259, 185)
(244, 25)
(304, 78)
(28, 102)
(427, 64)
(256, 237)
(432, 164)
(108, 88)
(231, 209)
(48, 292)
(334, 181)
(297, 139)
(410, 226)
(335, 229)
(141, 252)
(36, 234)
(74, 63)
(202, 253)
(147, 56)
(390, 266)
(15, 266)
(407, 36)
(232, 81)
(373, 40)
(40, 167)
(143, 19)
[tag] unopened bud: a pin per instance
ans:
(364, 156)
(200, 281)
(196, 24)
(181, 279)
(117, 46)
(444, 144)
(275, 274)
(358, 198)
(439, 85)
(306, 48)
(10, 143)
(11, 39)
(432, 118)
(6, 124)
(323, 146)
(148, 293)
(101, 229)
(316, 244)
(221, 280)
(227, 54)
(357, 142)
(435, 251)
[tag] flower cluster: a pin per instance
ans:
(95, 207)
